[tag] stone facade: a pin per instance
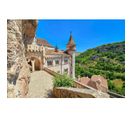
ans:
(63, 92)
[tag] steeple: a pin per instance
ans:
(34, 40)
(71, 44)
(56, 48)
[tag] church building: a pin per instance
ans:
(40, 54)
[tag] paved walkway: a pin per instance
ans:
(41, 85)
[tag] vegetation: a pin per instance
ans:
(117, 85)
(106, 60)
(63, 81)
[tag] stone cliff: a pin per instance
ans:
(19, 34)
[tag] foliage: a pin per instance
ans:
(106, 60)
(117, 86)
(63, 81)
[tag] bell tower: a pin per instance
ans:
(71, 48)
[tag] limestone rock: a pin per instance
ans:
(28, 28)
(19, 33)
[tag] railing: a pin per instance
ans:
(50, 71)
(115, 95)
(76, 83)
(80, 85)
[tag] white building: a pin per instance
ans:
(41, 54)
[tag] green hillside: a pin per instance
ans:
(106, 60)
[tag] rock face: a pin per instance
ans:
(96, 81)
(19, 34)
(28, 30)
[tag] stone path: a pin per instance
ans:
(41, 85)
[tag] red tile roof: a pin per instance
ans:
(71, 44)
(42, 42)
(49, 53)
(71, 41)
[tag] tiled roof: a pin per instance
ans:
(71, 41)
(42, 42)
(53, 52)
(71, 45)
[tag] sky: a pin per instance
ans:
(86, 33)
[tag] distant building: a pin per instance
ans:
(41, 54)
(96, 81)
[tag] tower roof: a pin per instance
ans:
(34, 40)
(71, 42)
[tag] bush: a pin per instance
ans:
(117, 86)
(63, 81)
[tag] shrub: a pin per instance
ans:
(63, 81)
(117, 86)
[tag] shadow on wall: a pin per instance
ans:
(38, 63)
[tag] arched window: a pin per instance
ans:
(66, 61)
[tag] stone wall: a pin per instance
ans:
(37, 57)
(63, 92)
(18, 73)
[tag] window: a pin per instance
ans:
(66, 61)
(50, 62)
(56, 62)
(66, 70)
(58, 71)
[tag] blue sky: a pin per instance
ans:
(86, 33)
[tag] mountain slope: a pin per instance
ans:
(106, 60)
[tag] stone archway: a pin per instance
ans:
(35, 63)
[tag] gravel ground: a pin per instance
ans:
(41, 85)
